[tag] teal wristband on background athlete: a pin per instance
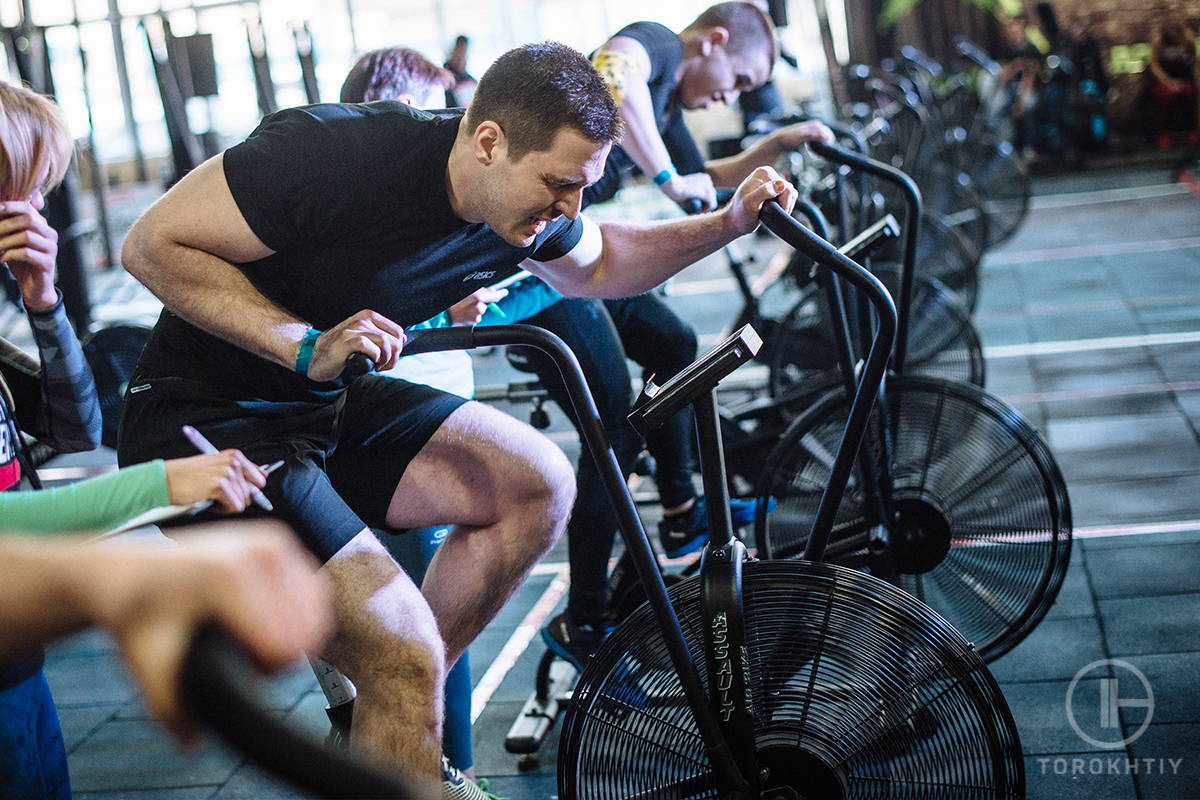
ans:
(305, 353)
(664, 176)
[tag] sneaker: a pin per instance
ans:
(573, 643)
(456, 786)
(687, 532)
(482, 783)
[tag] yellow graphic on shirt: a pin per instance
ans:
(615, 66)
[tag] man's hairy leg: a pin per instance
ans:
(387, 642)
(507, 490)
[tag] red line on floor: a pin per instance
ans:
(1137, 529)
(1189, 180)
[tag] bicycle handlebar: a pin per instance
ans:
(780, 223)
(973, 52)
(357, 365)
(416, 342)
(221, 684)
(914, 56)
(855, 138)
(912, 227)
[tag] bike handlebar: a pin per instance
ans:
(221, 684)
(973, 52)
(914, 56)
(357, 365)
(912, 227)
(425, 340)
(780, 223)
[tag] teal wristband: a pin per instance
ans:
(304, 354)
(664, 176)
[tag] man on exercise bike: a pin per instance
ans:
(322, 235)
(653, 74)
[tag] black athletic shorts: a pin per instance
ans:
(342, 458)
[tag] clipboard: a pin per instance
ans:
(159, 514)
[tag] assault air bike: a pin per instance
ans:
(753, 679)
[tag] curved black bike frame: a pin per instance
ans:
(912, 226)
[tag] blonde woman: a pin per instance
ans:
(54, 400)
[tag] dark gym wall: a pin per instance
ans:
(1120, 22)
(931, 26)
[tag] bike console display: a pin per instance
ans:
(656, 404)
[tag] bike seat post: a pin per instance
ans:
(721, 601)
(712, 470)
(738, 267)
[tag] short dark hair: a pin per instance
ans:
(533, 91)
(390, 72)
(750, 29)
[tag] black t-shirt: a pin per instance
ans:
(353, 200)
(665, 49)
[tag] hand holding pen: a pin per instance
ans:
(471, 309)
(225, 477)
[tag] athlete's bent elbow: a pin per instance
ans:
(142, 249)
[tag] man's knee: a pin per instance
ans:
(386, 632)
(383, 656)
(547, 481)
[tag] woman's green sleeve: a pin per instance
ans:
(91, 505)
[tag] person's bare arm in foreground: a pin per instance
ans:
(252, 577)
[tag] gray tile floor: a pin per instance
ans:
(1103, 255)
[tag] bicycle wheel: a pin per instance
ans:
(112, 354)
(1003, 182)
(952, 196)
(942, 340)
(979, 521)
(943, 255)
(858, 691)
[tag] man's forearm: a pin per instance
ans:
(726, 173)
(641, 140)
(215, 296)
(639, 256)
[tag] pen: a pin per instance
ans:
(267, 470)
(498, 310)
(205, 447)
